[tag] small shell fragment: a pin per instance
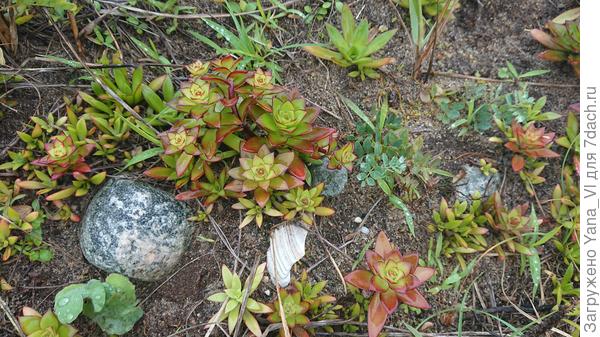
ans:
(285, 249)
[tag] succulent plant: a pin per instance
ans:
(570, 140)
(355, 45)
(343, 157)
(263, 172)
(294, 310)
(261, 79)
(197, 68)
(509, 224)
(393, 279)
(196, 91)
(461, 227)
(232, 298)
(321, 306)
(34, 324)
(486, 168)
(63, 156)
(563, 40)
(310, 293)
(527, 143)
(211, 190)
(564, 206)
(255, 212)
(7, 240)
(289, 123)
(306, 203)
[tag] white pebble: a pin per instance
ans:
(364, 230)
(358, 219)
(268, 292)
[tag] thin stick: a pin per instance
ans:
(191, 16)
(247, 286)
(495, 80)
(170, 277)
(98, 80)
(412, 43)
(11, 317)
(222, 236)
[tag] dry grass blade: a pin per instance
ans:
(149, 14)
(247, 286)
(440, 24)
(11, 317)
(108, 90)
(496, 80)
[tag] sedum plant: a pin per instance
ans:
(570, 140)
(564, 209)
(263, 172)
(354, 46)
(111, 304)
(486, 168)
(393, 278)
(311, 293)
(294, 311)
(232, 298)
(21, 232)
(562, 40)
(528, 144)
(255, 212)
(228, 112)
(35, 324)
(304, 202)
(461, 228)
(509, 224)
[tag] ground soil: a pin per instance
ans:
(483, 36)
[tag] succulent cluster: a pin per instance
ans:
(562, 41)
(462, 227)
(529, 144)
(393, 278)
(509, 224)
(270, 129)
(301, 303)
(232, 298)
(354, 46)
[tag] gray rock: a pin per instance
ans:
(135, 229)
(335, 180)
(475, 181)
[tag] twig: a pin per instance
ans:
(247, 286)
(11, 317)
(170, 277)
(222, 236)
(98, 80)
(412, 43)
(495, 80)
(191, 16)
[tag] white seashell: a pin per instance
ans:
(286, 248)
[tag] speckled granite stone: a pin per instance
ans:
(335, 180)
(135, 229)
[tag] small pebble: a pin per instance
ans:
(268, 292)
(364, 230)
(358, 219)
